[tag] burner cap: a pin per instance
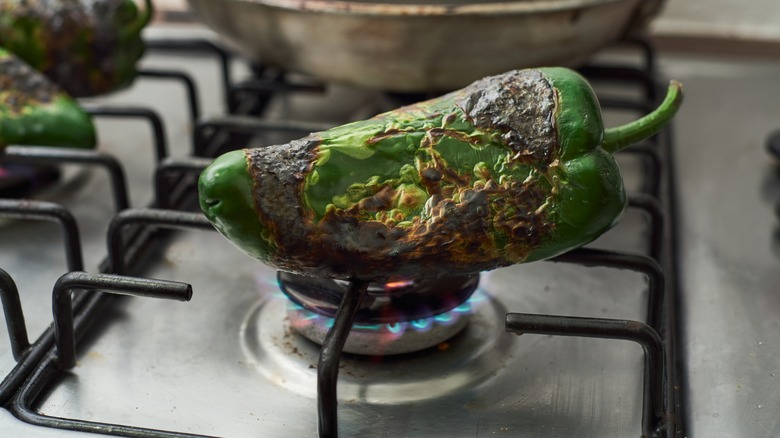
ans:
(386, 302)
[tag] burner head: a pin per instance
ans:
(396, 317)
(385, 302)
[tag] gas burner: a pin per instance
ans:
(396, 316)
(384, 339)
(386, 302)
(479, 351)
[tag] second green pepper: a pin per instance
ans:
(33, 111)
(86, 47)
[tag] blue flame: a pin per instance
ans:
(422, 325)
(445, 318)
(398, 328)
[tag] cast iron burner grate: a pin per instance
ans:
(133, 230)
(39, 157)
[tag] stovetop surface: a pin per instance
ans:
(729, 187)
(214, 366)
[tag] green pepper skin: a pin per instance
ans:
(511, 169)
(87, 47)
(33, 111)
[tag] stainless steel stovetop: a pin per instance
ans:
(226, 364)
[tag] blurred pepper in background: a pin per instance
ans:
(34, 111)
(86, 47)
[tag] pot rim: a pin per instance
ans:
(518, 7)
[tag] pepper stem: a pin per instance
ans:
(143, 19)
(619, 137)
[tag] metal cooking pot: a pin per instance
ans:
(413, 46)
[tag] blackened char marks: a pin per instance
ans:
(21, 85)
(454, 240)
(521, 216)
(79, 36)
(520, 105)
(278, 174)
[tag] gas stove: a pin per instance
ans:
(686, 276)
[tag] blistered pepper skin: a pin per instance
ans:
(511, 169)
(34, 111)
(86, 47)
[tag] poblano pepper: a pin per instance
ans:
(513, 168)
(87, 47)
(35, 111)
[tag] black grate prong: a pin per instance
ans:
(185, 79)
(620, 74)
(64, 331)
(652, 208)
(155, 122)
(118, 252)
(208, 129)
(14, 317)
(50, 155)
(48, 211)
(194, 45)
(633, 262)
(169, 176)
(655, 409)
(652, 161)
(330, 356)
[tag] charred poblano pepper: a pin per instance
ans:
(87, 47)
(513, 168)
(35, 111)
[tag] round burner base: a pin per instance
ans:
(289, 360)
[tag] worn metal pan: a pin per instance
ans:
(413, 46)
